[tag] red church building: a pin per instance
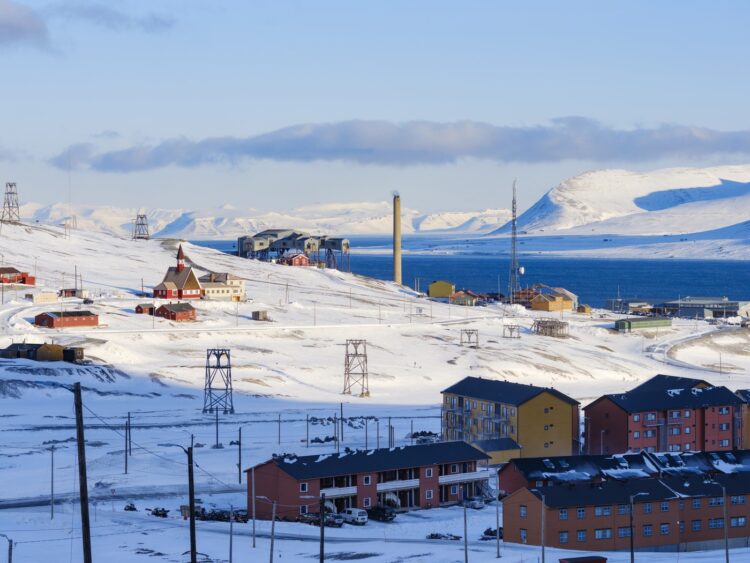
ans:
(180, 282)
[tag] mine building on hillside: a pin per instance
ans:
(180, 281)
(12, 275)
(43, 352)
(532, 421)
(178, 312)
(705, 307)
(665, 413)
(273, 244)
(66, 319)
(405, 477)
(222, 286)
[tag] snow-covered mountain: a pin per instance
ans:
(229, 222)
(668, 201)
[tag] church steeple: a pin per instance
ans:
(180, 259)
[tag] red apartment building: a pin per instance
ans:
(13, 275)
(665, 414)
(64, 319)
(420, 476)
(672, 513)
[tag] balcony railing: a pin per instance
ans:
(461, 477)
(339, 491)
(398, 485)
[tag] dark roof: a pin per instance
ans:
(661, 382)
(9, 270)
(562, 469)
(603, 493)
(497, 445)
(695, 397)
(178, 307)
(383, 459)
(145, 305)
(743, 394)
(179, 277)
(23, 346)
(69, 313)
(501, 391)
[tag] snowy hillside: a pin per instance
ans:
(228, 222)
(668, 201)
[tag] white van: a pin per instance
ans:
(355, 516)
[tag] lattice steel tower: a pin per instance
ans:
(514, 283)
(11, 212)
(355, 368)
(140, 228)
(217, 393)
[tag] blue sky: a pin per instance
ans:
(276, 104)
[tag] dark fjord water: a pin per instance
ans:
(594, 280)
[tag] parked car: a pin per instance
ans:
(356, 516)
(474, 502)
(332, 519)
(491, 534)
(381, 513)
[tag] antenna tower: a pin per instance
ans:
(514, 283)
(217, 392)
(355, 368)
(11, 213)
(140, 229)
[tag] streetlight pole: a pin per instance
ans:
(10, 548)
(544, 510)
(726, 523)
(632, 531)
(497, 523)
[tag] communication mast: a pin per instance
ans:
(217, 392)
(140, 228)
(514, 283)
(355, 368)
(11, 213)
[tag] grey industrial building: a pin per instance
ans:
(274, 243)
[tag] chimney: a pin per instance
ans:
(397, 238)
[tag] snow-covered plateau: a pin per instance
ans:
(288, 368)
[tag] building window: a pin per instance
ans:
(647, 509)
(303, 487)
(563, 514)
(602, 510)
(696, 525)
(674, 430)
(724, 443)
(687, 414)
(522, 511)
(737, 522)
(512, 411)
(563, 537)
(651, 416)
(546, 444)
(649, 433)
(724, 426)
(603, 533)
(674, 447)
(367, 503)
(687, 446)
(636, 418)
(539, 484)
(715, 523)
(687, 430)
(716, 501)
(428, 472)
(675, 414)
(454, 468)
(696, 503)
(664, 506)
(738, 499)
(454, 489)
(366, 480)
(664, 529)
(546, 427)
(303, 509)
(723, 410)
(648, 530)
(636, 434)
(524, 535)
(581, 535)
(623, 509)
(546, 410)
(580, 513)
(428, 494)
(623, 532)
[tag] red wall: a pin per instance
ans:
(606, 415)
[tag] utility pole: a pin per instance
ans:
(321, 513)
(231, 531)
(497, 525)
(466, 536)
(130, 436)
(273, 529)
(252, 492)
(10, 547)
(82, 481)
(341, 406)
(217, 428)
(52, 484)
(191, 494)
(126, 447)
(239, 456)
(279, 434)
(307, 430)
(544, 510)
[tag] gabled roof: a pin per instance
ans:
(178, 307)
(180, 278)
(603, 493)
(145, 305)
(218, 277)
(501, 391)
(661, 382)
(561, 469)
(743, 394)
(383, 459)
(9, 270)
(166, 285)
(60, 314)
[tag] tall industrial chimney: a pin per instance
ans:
(397, 238)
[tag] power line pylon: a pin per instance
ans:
(514, 283)
(217, 392)
(355, 368)
(140, 228)
(11, 212)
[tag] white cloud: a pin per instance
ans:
(21, 25)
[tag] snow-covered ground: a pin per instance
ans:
(290, 367)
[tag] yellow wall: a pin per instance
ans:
(531, 427)
(441, 289)
(554, 304)
(496, 458)
(50, 353)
